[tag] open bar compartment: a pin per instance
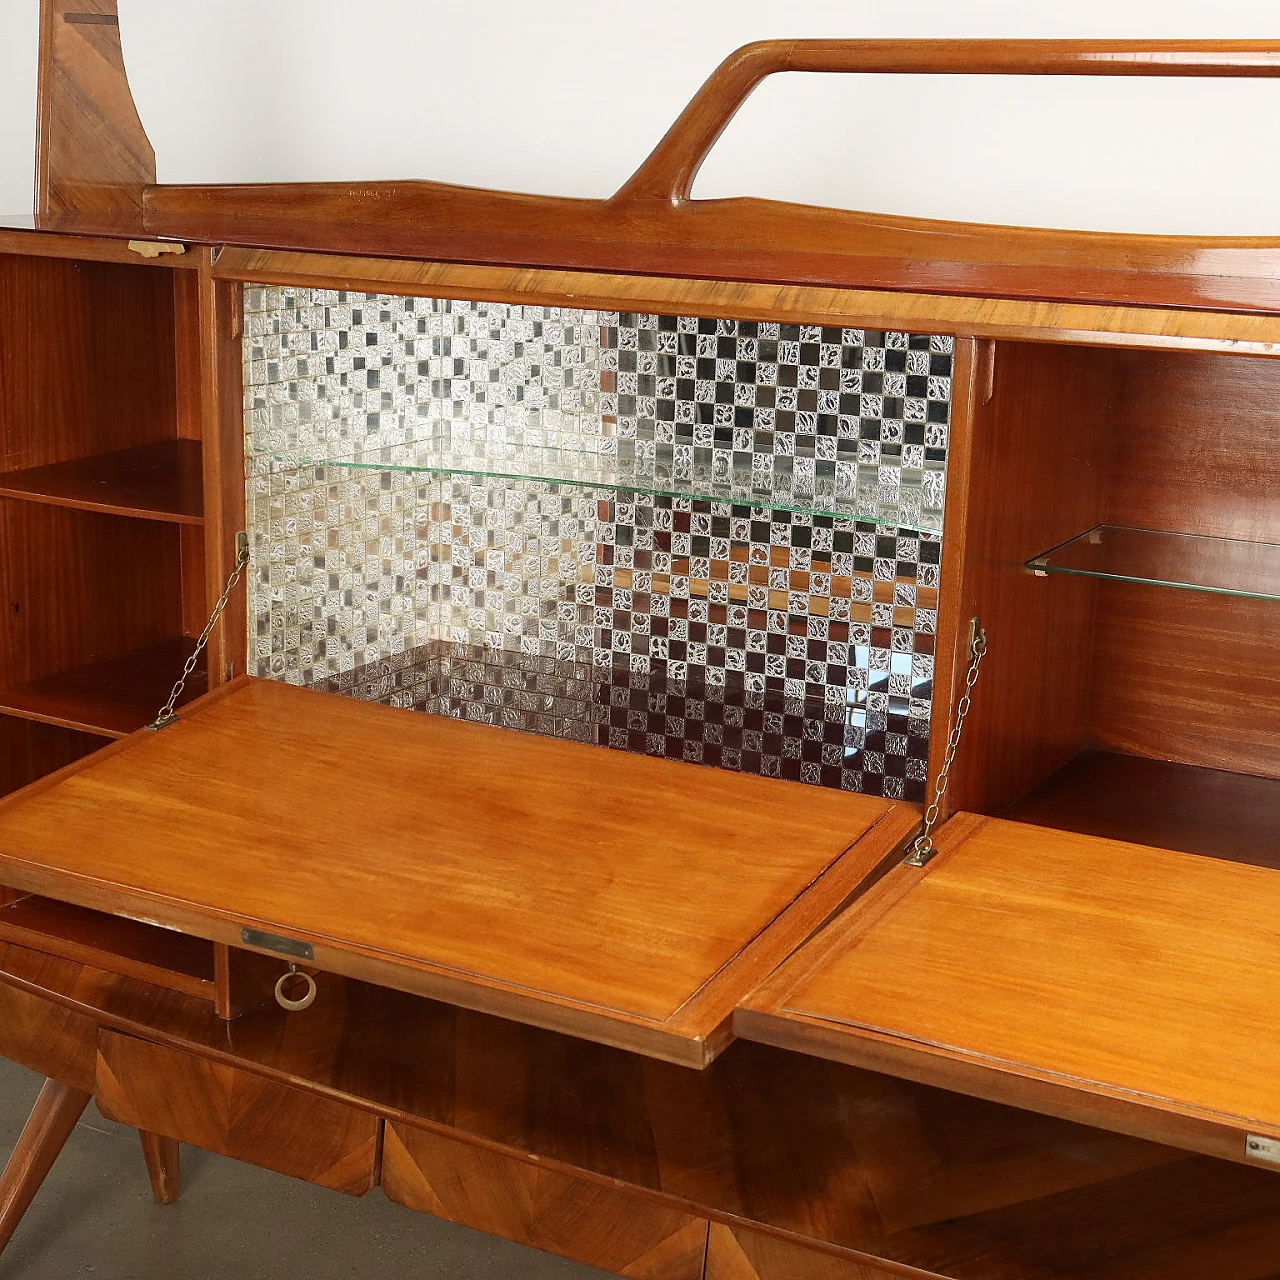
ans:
(668, 583)
(1118, 704)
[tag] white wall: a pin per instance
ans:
(568, 96)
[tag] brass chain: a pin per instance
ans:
(923, 849)
(168, 712)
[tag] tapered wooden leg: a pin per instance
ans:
(48, 1127)
(161, 1155)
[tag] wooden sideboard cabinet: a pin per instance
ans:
(955, 548)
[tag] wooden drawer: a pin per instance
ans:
(601, 1226)
(46, 1038)
(737, 1254)
(236, 1113)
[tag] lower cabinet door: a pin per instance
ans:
(46, 1038)
(600, 1226)
(737, 1254)
(236, 1113)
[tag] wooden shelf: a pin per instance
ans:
(166, 959)
(160, 481)
(1233, 816)
(112, 698)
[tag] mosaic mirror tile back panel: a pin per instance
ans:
(745, 636)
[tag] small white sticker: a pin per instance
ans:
(1257, 1148)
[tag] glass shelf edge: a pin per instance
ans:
(1043, 565)
(280, 463)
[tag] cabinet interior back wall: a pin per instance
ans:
(89, 359)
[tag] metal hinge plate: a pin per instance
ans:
(273, 942)
(1259, 1148)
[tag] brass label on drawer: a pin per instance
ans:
(273, 942)
(1258, 1148)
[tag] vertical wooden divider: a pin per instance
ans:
(951, 650)
(221, 382)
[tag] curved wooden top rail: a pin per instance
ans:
(651, 226)
(671, 168)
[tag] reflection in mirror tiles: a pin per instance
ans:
(740, 634)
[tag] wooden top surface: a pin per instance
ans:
(1024, 960)
(610, 895)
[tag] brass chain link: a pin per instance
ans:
(168, 712)
(923, 849)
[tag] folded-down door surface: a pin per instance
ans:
(1132, 988)
(620, 898)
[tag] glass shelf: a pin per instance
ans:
(842, 489)
(1224, 566)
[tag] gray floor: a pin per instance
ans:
(95, 1217)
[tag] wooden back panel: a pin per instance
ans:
(88, 359)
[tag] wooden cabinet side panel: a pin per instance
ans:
(1037, 478)
(235, 1113)
(46, 1038)
(542, 1208)
(736, 1254)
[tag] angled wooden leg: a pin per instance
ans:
(161, 1155)
(48, 1127)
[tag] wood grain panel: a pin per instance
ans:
(592, 1223)
(158, 481)
(93, 152)
(734, 1253)
(1186, 676)
(618, 897)
(235, 1113)
(89, 363)
(29, 751)
(1197, 450)
(113, 943)
(1038, 477)
(1171, 806)
(220, 315)
(821, 1151)
(706, 295)
(47, 1038)
(19, 234)
(1082, 976)
(81, 588)
(243, 980)
(112, 698)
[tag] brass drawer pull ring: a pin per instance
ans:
(303, 1002)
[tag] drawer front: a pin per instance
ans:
(46, 1038)
(236, 1113)
(736, 1254)
(599, 1226)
